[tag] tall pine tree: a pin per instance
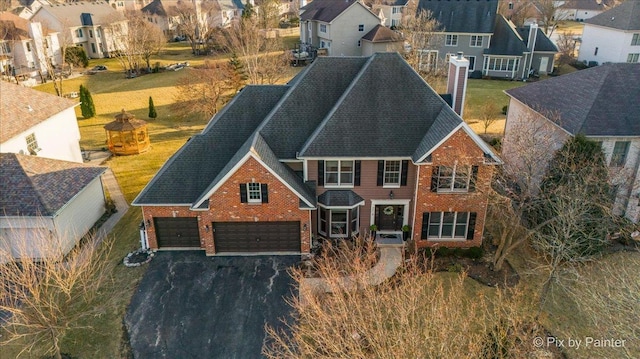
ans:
(87, 107)
(152, 109)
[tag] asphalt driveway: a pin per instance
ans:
(192, 306)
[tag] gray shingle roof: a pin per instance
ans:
(192, 169)
(543, 43)
(37, 186)
(600, 101)
(469, 16)
(386, 111)
(625, 16)
(340, 198)
(338, 106)
(587, 4)
(155, 8)
(382, 34)
(22, 108)
(324, 10)
(313, 96)
(506, 40)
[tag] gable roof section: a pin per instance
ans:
(13, 27)
(37, 186)
(204, 156)
(543, 43)
(625, 16)
(324, 10)
(311, 98)
(598, 101)
(382, 34)
(587, 4)
(387, 110)
(506, 40)
(155, 8)
(463, 16)
(72, 13)
(22, 108)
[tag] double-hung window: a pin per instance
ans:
(476, 41)
(338, 173)
(452, 179)
(323, 28)
(448, 225)
(633, 58)
(32, 144)
(338, 222)
(635, 40)
(619, 155)
(392, 173)
(361, 27)
(254, 193)
(451, 40)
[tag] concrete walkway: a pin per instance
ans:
(98, 158)
(390, 260)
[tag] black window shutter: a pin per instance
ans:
(356, 175)
(403, 174)
(472, 225)
(265, 193)
(380, 173)
(320, 173)
(434, 179)
(425, 225)
(474, 178)
(243, 192)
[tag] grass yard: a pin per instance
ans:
(483, 91)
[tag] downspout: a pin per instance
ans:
(415, 203)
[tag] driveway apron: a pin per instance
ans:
(192, 306)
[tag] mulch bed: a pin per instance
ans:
(478, 269)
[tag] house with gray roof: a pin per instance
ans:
(493, 44)
(348, 143)
(612, 36)
(95, 26)
(581, 10)
(543, 115)
(336, 25)
(46, 205)
(36, 123)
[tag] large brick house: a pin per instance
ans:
(349, 142)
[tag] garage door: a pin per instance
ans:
(257, 237)
(177, 232)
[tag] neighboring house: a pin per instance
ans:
(25, 48)
(225, 12)
(91, 25)
(581, 10)
(41, 198)
(381, 39)
(349, 142)
(605, 109)
(613, 36)
(491, 43)
(390, 11)
(156, 13)
(36, 123)
(336, 25)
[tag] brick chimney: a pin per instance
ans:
(457, 81)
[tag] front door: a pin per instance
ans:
(389, 217)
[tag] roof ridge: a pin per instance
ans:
(597, 94)
(338, 103)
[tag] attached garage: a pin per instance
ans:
(255, 237)
(177, 232)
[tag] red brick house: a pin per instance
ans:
(349, 142)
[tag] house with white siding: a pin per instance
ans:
(612, 36)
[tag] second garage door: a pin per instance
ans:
(251, 237)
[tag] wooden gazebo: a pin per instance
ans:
(127, 135)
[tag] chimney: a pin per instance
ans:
(457, 81)
(533, 33)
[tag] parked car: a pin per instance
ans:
(96, 69)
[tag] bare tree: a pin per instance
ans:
(549, 14)
(263, 57)
(269, 14)
(201, 91)
(488, 115)
(566, 48)
(423, 34)
(137, 42)
(418, 314)
(516, 11)
(193, 22)
(46, 297)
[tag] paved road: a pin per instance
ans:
(192, 306)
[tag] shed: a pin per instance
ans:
(127, 135)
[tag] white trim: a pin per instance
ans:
(305, 170)
(415, 200)
(397, 202)
(361, 203)
(384, 174)
(236, 168)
